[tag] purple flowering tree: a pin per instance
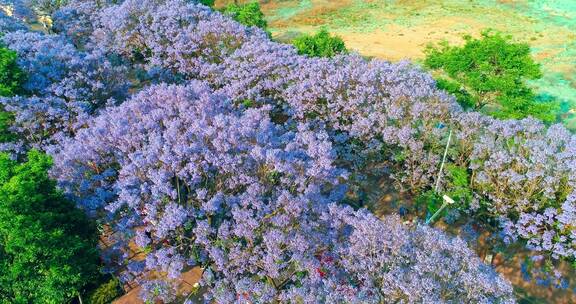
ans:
(63, 86)
(195, 181)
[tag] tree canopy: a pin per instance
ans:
(248, 14)
(490, 74)
(47, 246)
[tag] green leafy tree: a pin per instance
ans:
(322, 44)
(248, 14)
(11, 79)
(490, 74)
(48, 247)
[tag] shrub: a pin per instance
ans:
(247, 14)
(322, 44)
(47, 245)
(490, 71)
(106, 292)
(6, 121)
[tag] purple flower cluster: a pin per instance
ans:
(9, 24)
(20, 13)
(390, 262)
(154, 290)
(524, 173)
(74, 22)
(197, 181)
(63, 86)
(176, 34)
(553, 231)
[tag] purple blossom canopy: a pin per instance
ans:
(198, 181)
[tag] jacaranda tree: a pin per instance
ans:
(200, 183)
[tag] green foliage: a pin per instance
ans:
(11, 77)
(6, 119)
(462, 96)
(457, 180)
(209, 3)
(48, 247)
(106, 292)
(490, 74)
(248, 14)
(429, 202)
(458, 187)
(319, 45)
